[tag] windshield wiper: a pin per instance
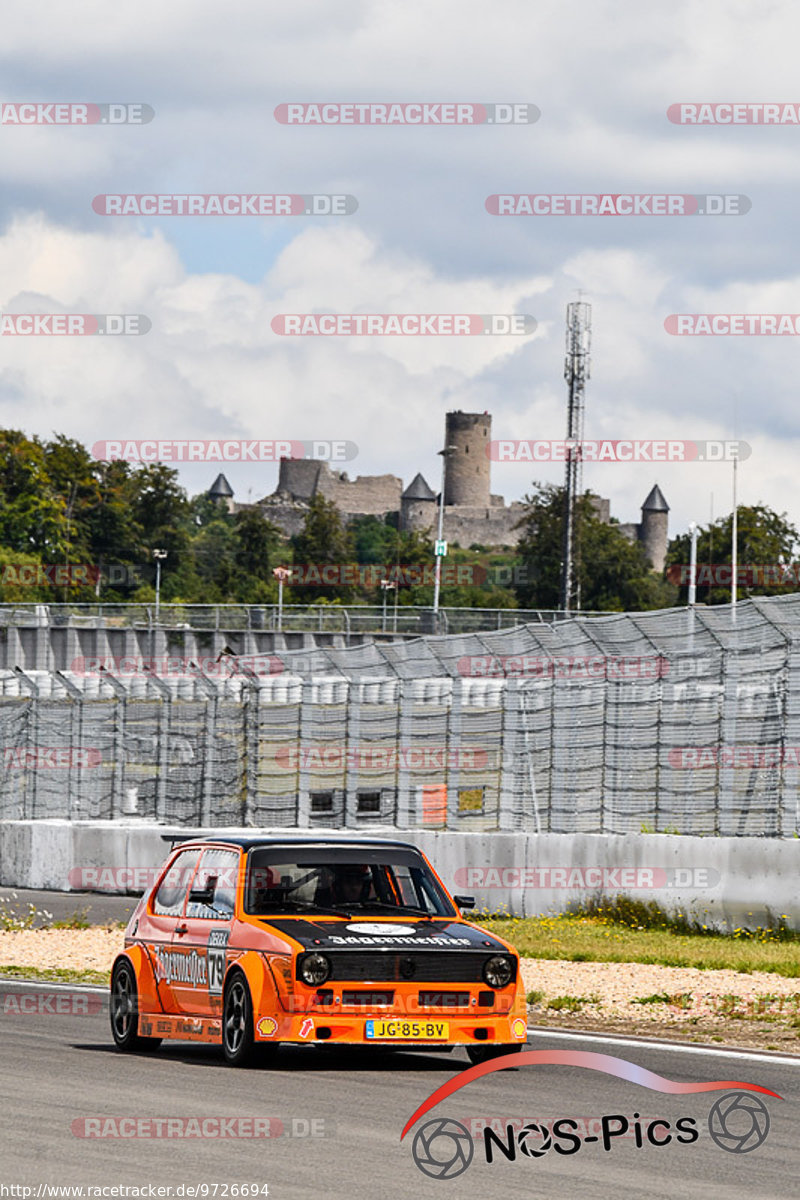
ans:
(395, 908)
(323, 909)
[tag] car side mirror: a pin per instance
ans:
(465, 901)
(204, 895)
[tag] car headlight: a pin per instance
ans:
(498, 970)
(314, 969)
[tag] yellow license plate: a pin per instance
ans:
(408, 1031)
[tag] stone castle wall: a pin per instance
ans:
(483, 526)
(371, 495)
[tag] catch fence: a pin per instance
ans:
(672, 721)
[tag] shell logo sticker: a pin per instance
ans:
(267, 1026)
(519, 1028)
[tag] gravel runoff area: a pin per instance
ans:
(756, 1009)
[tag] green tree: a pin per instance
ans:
(32, 515)
(323, 540)
(613, 572)
(162, 518)
(764, 539)
(257, 545)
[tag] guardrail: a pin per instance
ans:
(405, 620)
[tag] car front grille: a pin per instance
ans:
(437, 966)
(444, 999)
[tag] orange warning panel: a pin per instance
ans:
(434, 804)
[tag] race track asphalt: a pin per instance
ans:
(96, 908)
(60, 1068)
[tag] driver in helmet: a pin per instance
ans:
(352, 884)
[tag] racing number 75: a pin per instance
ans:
(217, 944)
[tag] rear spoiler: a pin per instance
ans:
(175, 838)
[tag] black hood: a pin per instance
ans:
(377, 934)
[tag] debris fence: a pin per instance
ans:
(673, 721)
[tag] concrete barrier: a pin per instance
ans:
(725, 883)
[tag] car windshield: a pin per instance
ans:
(342, 881)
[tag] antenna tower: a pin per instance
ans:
(576, 372)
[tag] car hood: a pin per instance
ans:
(424, 935)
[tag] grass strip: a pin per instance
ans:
(54, 975)
(596, 938)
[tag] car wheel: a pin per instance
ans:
(123, 1009)
(481, 1054)
(238, 1042)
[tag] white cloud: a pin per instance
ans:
(603, 75)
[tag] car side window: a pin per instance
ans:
(168, 901)
(218, 873)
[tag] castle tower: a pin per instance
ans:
(466, 478)
(418, 506)
(222, 493)
(653, 529)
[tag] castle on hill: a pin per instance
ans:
(472, 514)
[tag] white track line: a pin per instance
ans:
(676, 1047)
(571, 1035)
(14, 981)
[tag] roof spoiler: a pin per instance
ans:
(175, 838)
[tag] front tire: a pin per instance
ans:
(481, 1054)
(238, 1039)
(123, 1011)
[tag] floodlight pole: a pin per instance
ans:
(440, 548)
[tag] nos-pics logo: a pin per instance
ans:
(444, 1148)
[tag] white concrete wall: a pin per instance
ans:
(724, 882)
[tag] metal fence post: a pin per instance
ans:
(164, 726)
(306, 730)
(508, 817)
(352, 762)
(405, 705)
(209, 756)
(120, 715)
(76, 719)
(33, 721)
(453, 733)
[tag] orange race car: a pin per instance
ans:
(250, 942)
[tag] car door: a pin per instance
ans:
(164, 914)
(200, 941)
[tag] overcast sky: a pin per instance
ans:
(602, 72)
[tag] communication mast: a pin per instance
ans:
(576, 372)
